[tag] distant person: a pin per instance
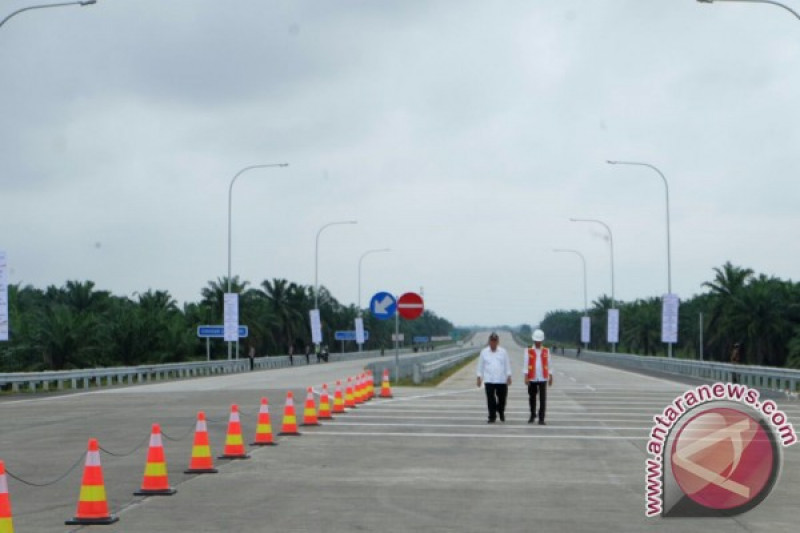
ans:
(252, 355)
(736, 358)
(308, 354)
(538, 376)
(494, 371)
(324, 354)
(291, 355)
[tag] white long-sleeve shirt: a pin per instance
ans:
(494, 366)
(539, 374)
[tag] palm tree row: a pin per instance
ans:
(77, 326)
(758, 312)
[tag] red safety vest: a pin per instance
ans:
(532, 363)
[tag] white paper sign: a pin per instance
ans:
(586, 329)
(231, 317)
(359, 330)
(316, 326)
(613, 326)
(669, 318)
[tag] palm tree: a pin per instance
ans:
(726, 289)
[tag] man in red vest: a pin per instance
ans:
(538, 375)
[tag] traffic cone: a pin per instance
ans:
(289, 419)
(358, 391)
(371, 384)
(155, 481)
(6, 523)
(386, 391)
(92, 503)
(324, 404)
(234, 444)
(264, 427)
(201, 461)
(338, 400)
(310, 410)
(349, 398)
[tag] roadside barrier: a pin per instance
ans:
(92, 502)
(201, 461)
(264, 426)
(289, 426)
(234, 444)
(155, 480)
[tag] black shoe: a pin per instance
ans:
(530, 420)
(502, 417)
(490, 421)
(541, 423)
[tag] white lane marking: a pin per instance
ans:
(499, 424)
(474, 435)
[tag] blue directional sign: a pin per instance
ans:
(419, 340)
(218, 331)
(348, 335)
(383, 305)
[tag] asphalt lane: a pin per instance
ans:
(425, 460)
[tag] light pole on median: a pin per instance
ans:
(669, 251)
(585, 298)
(611, 243)
(316, 263)
(360, 259)
(787, 8)
(230, 204)
(43, 6)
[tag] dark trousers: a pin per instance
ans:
(496, 394)
(540, 388)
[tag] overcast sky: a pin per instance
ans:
(461, 134)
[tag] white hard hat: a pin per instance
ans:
(538, 335)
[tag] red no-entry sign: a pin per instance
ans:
(410, 305)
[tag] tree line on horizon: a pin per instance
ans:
(77, 326)
(760, 313)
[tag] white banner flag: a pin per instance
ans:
(231, 317)
(316, 326)
(613, 326)
(586, 329)
(359, 330)
(669, 318)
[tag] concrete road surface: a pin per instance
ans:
(425, 460)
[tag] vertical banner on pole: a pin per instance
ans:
(586, 329)
(231, 317)
(613, 326)
(669, 318)
(3, 297)
(316, 326)
(359, 330)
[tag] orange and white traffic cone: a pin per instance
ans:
(264, 426)
(155, 481)
(201, 461)
(386, 390)
(358, 392)
(289, 426)
(325, 404)
(370, 385)
(310, 410)
(234, 444)
(349, 398)
(92, 502)
(338, 400)
(6, 523)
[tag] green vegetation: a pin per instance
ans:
(76, 326)
(761, 313)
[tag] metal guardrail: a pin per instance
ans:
(759, 377)
(407, 366)
(431, 369)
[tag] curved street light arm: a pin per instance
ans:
(773, 2)
(44, 6)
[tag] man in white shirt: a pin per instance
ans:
(494, 371)
(538, 375)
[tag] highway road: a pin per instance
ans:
(424, 460)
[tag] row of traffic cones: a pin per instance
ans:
(92, 506)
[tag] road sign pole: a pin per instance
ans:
(208, 348)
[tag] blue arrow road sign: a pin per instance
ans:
(218, 331)
(383, 305)
(348, 335)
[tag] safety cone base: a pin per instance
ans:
(92, 521)
(201, 471)
(310, 424)
(245, 456)
(160, 492)
(263, 444)
(290, 433)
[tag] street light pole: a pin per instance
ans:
(585, 299)
(43, 6)
(787, 8)
(360, 259)
(669, 246)
(230, 204)
(611, 243)
(316, 263)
